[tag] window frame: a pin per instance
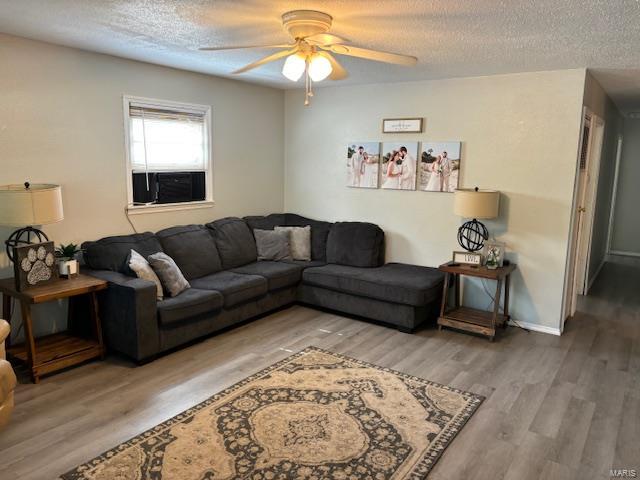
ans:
(127, 100)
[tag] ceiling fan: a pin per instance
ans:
(311, 52)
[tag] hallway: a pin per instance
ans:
(616, 289)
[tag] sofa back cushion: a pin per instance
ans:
(235, 242)
(193, 249)
(319, 233)
(268, 222)
(356, 244)
(112, 253)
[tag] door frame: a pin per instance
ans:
(592, 168)
(614, 193)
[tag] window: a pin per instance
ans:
(168, 155)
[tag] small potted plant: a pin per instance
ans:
(494, 253)
(67, 263)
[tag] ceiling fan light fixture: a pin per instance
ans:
(319, 68)
(294, 67)
(311, 55)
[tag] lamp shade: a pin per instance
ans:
(37, 204)
(319, 68)
(473, 203)
(294, 66)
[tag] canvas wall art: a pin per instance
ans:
(34, 264)
(363, 164)
(439, 169)
(399, 165)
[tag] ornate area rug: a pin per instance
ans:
(315, 415)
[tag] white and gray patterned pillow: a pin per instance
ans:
(272, 245)
(169, 274)
(143, 270)
(300, 241)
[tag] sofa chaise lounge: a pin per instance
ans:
(229, 285)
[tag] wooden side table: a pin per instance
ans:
(61, 350)
(471, 319)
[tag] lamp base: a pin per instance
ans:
(24, 236)
(472, 234)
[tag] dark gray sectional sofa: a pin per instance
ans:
(346, 273)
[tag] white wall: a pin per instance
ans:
(626, 224)
(596, 99)
(520, 136)
(61, 121)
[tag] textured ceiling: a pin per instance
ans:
(450, 38)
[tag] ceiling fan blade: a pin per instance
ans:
(375, 55)
(325, 39)
(267, 59)
(338, 72)
(217, 49)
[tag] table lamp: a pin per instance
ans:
(27, 205)
(475, 203)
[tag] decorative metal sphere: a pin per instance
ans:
(24, 236)
(471, 235)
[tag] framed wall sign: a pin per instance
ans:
(402, 125)
(467, 258)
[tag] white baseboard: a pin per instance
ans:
(595, 275)
(534, 327)
(624, 254)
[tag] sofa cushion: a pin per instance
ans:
(171, 278)
(319, 233)
(356, 244)
(300, 240)
(188, 304)
(278, 274)
(235, 242)
(140, 266)
(305, 264)
(393, 282)
(259, 222)
(193, 249)
(235, 287)
(112, 253)
(272, 244)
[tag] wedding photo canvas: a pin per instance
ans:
(399, 165)
(363, 164)
(439, 169)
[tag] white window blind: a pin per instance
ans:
(167, 140)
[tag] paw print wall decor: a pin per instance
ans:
(35, 264)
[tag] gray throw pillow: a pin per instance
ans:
(143, 270)
(300, 241)
(272, 245)
(169, 274)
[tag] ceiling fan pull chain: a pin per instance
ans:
(307, 84)
(306, 89)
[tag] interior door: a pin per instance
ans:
(589, 204)
(589, 166)
(578, 215)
